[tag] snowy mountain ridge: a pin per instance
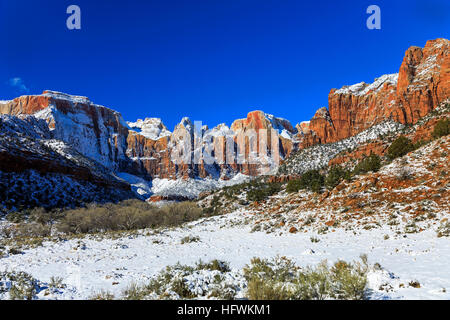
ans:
(355, 115)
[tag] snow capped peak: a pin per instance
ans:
(271, 117)
(222, 126)
(186, 120)
(185, 123)
(280, 124)
(353, 89)
(151, 128)
(363, 88)
(65, 96)
(322, 113)
(303, 127)
(220, 130)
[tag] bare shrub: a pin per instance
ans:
(189, 239)
(127, 215)
(444, 230)
(404, 173)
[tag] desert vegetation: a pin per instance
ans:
(310, 180)
(442, 128)
(31, 227)
(281, 279)
(262, 279)
(314, 180)
(372, 163)
(127, 215)
(172, 283)
(19, 285)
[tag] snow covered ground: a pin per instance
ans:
(90, 266)
(187, 188)
(191, 188)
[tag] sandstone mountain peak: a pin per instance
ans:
(152, 128)
(422, 83)
(66, 96)
(260, 120)
(221, 126)
(144, 147)
(363, 88)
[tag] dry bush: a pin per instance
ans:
(26, 230)
(444, 230)
(127, 215)
(190, 239)
(404, 173)
(179, 213)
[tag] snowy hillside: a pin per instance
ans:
(91, 266)
(39, 171)
(191, 188)
(318, 156)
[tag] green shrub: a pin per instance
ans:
(310, 180)
(180, 287)
(259, 191)
(335, 175)
(258, 289)
(368, 164)
(19, 285)
(266, 279)
(314, 283)
(171, 283)
(293, 186)
(215, 264)
(56, 283)
(442, 128)
(103, 295)
(420, 143)
(400, 147)
(282, 279)
(349, 280)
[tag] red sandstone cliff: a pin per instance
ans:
(145, 148)
(423, 82)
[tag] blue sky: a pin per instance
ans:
(211, 60)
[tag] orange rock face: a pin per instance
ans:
(25, 105)
(377, 147)
(423, 82)
(101, 134)
(258, 120)
(95, 131)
